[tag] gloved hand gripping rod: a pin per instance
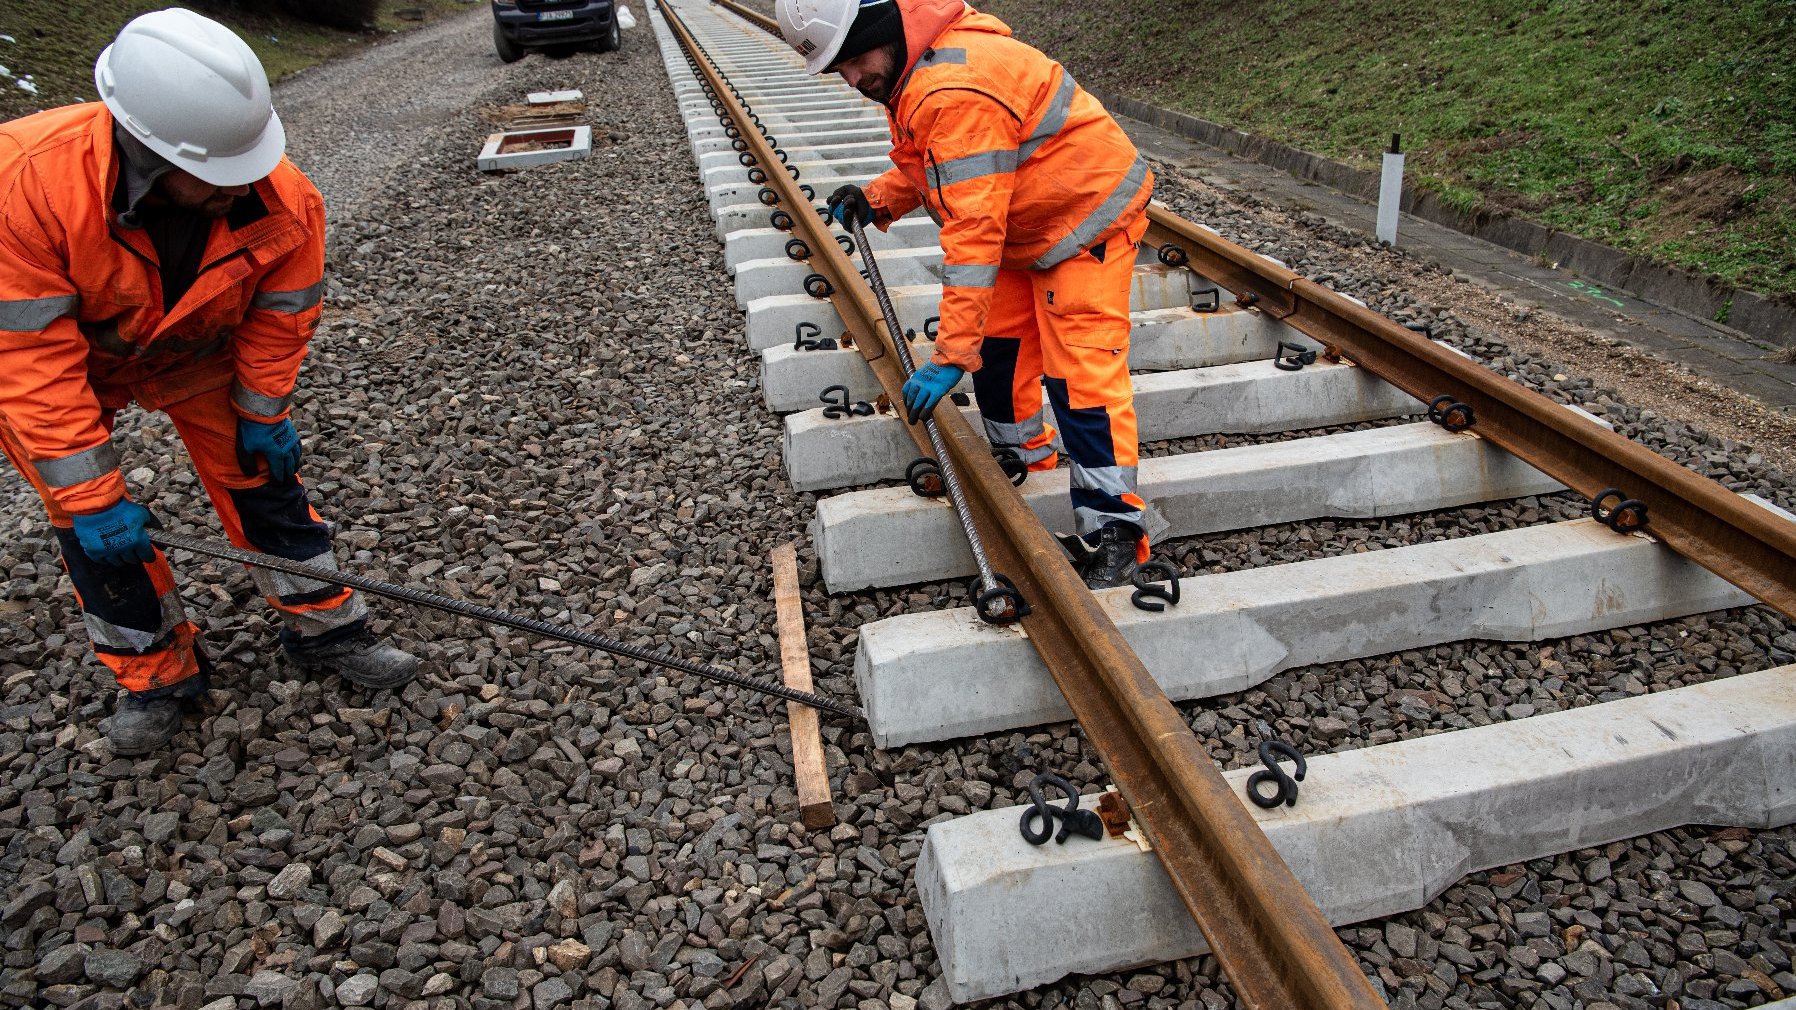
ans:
(228, 552)
(997, 600)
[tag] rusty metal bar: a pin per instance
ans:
(1274, 945)
(1743, 543)
(747, 13)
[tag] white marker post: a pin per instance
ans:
(1390, 192)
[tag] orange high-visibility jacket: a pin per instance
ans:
(1018, 164)
(82, 328)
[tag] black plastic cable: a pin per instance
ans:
(228, 552)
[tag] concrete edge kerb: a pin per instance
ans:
(1699, 296)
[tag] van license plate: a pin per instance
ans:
(555, 16)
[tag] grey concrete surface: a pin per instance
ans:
(891, 537)
(1520, 585)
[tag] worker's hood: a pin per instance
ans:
(926, 20)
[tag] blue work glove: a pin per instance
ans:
(849, 202)
(278, 443)
(115, 535)
(926, 387)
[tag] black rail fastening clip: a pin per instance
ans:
(1011, 462)
(924, 476)
(1072, 819)
(1148, 593)
(1617, 511)
(1207, 300)
(1001, 605)
(1286, 793)
(798, 249)
(1292, 357)
(818, 286)
(809, 337)
(836, 403)
(1450, 414)
(1174, 255)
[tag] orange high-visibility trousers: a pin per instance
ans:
(1067, 327)
(134, 617)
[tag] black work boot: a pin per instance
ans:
(1112, 559)
(148, 720)
(357, 657)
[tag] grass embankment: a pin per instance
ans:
(56, 43)
(1663, 129)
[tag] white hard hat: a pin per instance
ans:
(817, 28)
(194, 93)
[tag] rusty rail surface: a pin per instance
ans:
(1273, 943)
(1743, 543)
(747, 13)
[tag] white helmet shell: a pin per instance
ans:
(816, 28)
(195, 93)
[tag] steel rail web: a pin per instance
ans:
(1744, 543)
(1273, 943)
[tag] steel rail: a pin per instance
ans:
(747, 13)
(437, 601)
(1273, 943)
(1744, 543)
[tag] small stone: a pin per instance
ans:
(329, 929)
(1533, 924)
(292, 878)
(569, 955)
(64, 964)
(1400, 938)
(551, 992)
(357, 990)
(116, 968)
(1329, 728)
(269, 988)
(500, 983)
(1698, 893)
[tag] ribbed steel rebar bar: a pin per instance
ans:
(951, 480)
(435, 601)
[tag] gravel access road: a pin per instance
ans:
(531, 391)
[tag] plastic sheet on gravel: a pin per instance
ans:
(531, 391)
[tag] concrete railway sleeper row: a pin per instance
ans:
(1429, 809)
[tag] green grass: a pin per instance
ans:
(56, 43)
(1660, 128)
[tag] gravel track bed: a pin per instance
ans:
(531, 390)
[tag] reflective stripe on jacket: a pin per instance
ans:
(82, 327)
(1021, 167)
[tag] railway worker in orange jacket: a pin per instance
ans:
(1042, 201)
(157, 247)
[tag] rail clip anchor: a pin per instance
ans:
(1286, 793)
(837, 404)
(1617, 511)
(1148, 594)
(1072, 819)
(1450, 414)
(1292, 357)
(809, 337)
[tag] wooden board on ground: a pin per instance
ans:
(815, 808)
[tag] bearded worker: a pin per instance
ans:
(157, 247)
(1042, 201)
